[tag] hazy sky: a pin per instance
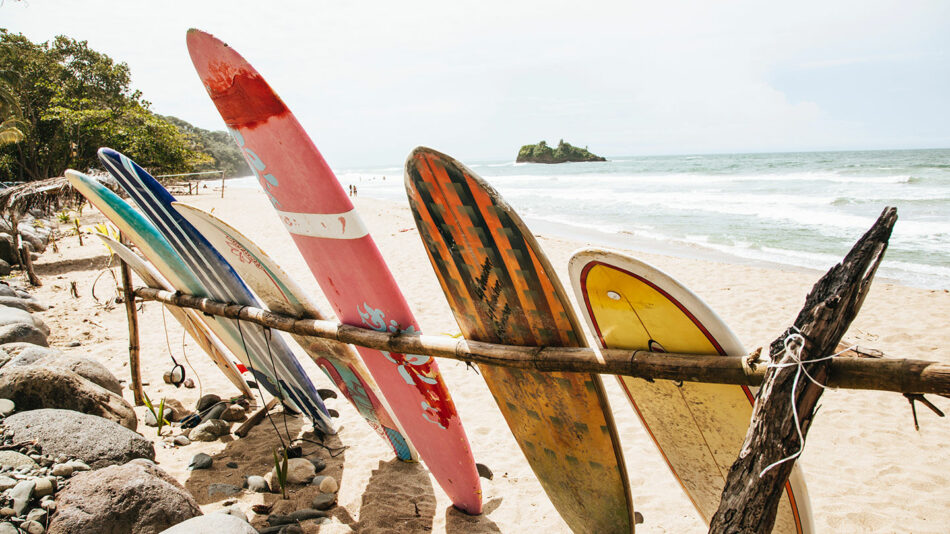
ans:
(371, 80)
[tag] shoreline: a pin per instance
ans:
(859, 440)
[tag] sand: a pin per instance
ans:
(867, 469)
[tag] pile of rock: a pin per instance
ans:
(35, 232)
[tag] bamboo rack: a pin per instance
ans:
(845, 372)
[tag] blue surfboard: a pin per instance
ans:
(268, 354)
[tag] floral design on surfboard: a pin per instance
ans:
(414, 369)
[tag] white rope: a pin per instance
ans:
(794, 343)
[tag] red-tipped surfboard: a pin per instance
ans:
(342, 256)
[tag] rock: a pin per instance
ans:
(29, 354)
(175, 411)
(214, 412)
(212, 524)
(223, 489)
(32, 527)
(7, 407)
(232, 465)
(22, 332)
(32, 388)
(234, 413)
(28, 305)
(5, 289)
(257, 484)
(324, 501)
(189, 383)
(8, 251)
(96, 441)
(234, 510)
(21, 495)
(37, 514)
(299, 471)
(318, 464)
(206, 402)
(6, 483)
(44, 486)
(78, 465)
(13, 460)
(10, 315)
(8, 528)
(87, 368)
(15, 348)
(200, 461)
(6, 511)
(182, 440)
(61, 470)
(135, 497)
(210, 430)
(5, 268)
(327, 484)
(295, 517)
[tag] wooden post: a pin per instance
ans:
(128, 296)
(750, 498)
(222, 184)
(27, 262)
(255, 418)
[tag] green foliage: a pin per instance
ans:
(224, 153)
(158, 415)
(280, 467)
(542, 153)
(74, 100)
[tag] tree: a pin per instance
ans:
(74, 100)
(10, 122)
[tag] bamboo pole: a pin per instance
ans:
(881, 374)
(134, 364)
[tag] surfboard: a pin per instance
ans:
(281, 294)
(502, 289)
(188, 319)
(157, 250)
(267, 352)
(342, 257)
(699, 428)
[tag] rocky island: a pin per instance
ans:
(542, 153)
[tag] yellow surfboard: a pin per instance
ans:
(698, 428)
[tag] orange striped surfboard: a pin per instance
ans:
(502, 289)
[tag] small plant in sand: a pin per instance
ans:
(280, 467)
(63, 216)
(159, 415)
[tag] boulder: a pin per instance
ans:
(7, 250)
(212, 524)
(175, 411)
(29, 354)
(299, 471)
(31, 236)
(134, 497)
(29, 305)
(10, 315)
(32, 387)
(96, 441)
(5, 268)
(87, 368)
(22, 332)
(14, 459)
(210, 430)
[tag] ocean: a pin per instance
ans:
(800, 210)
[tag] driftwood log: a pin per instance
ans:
(750, 498)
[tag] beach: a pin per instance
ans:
(866, 467)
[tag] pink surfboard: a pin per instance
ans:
(342, 256)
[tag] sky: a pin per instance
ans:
(371, 80)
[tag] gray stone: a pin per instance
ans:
(214, 412)
(37, 514)
(200, 461)
(14, 349)
(223, 489)
(8, 251)
(318, 464)
(87, 368)
(175, 410)
(32, 527)
(295, 517)
(5, 289)
(209, 430)
(29, 354)
(32, 388)
(78, 465)
(257, 484)
(326, 484)
(299, 471)
(212, 524)
(182, 440)
(5, 268)
(13, 459)
(18, 332)
(61, 470)
(44, 486)
(96, 441)
(135, 497)
(8, 528)
(28, 305)
(324, 501)
(234, 413)
(206, 402)
(21, 495)
(6, 483)
(10, 315)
